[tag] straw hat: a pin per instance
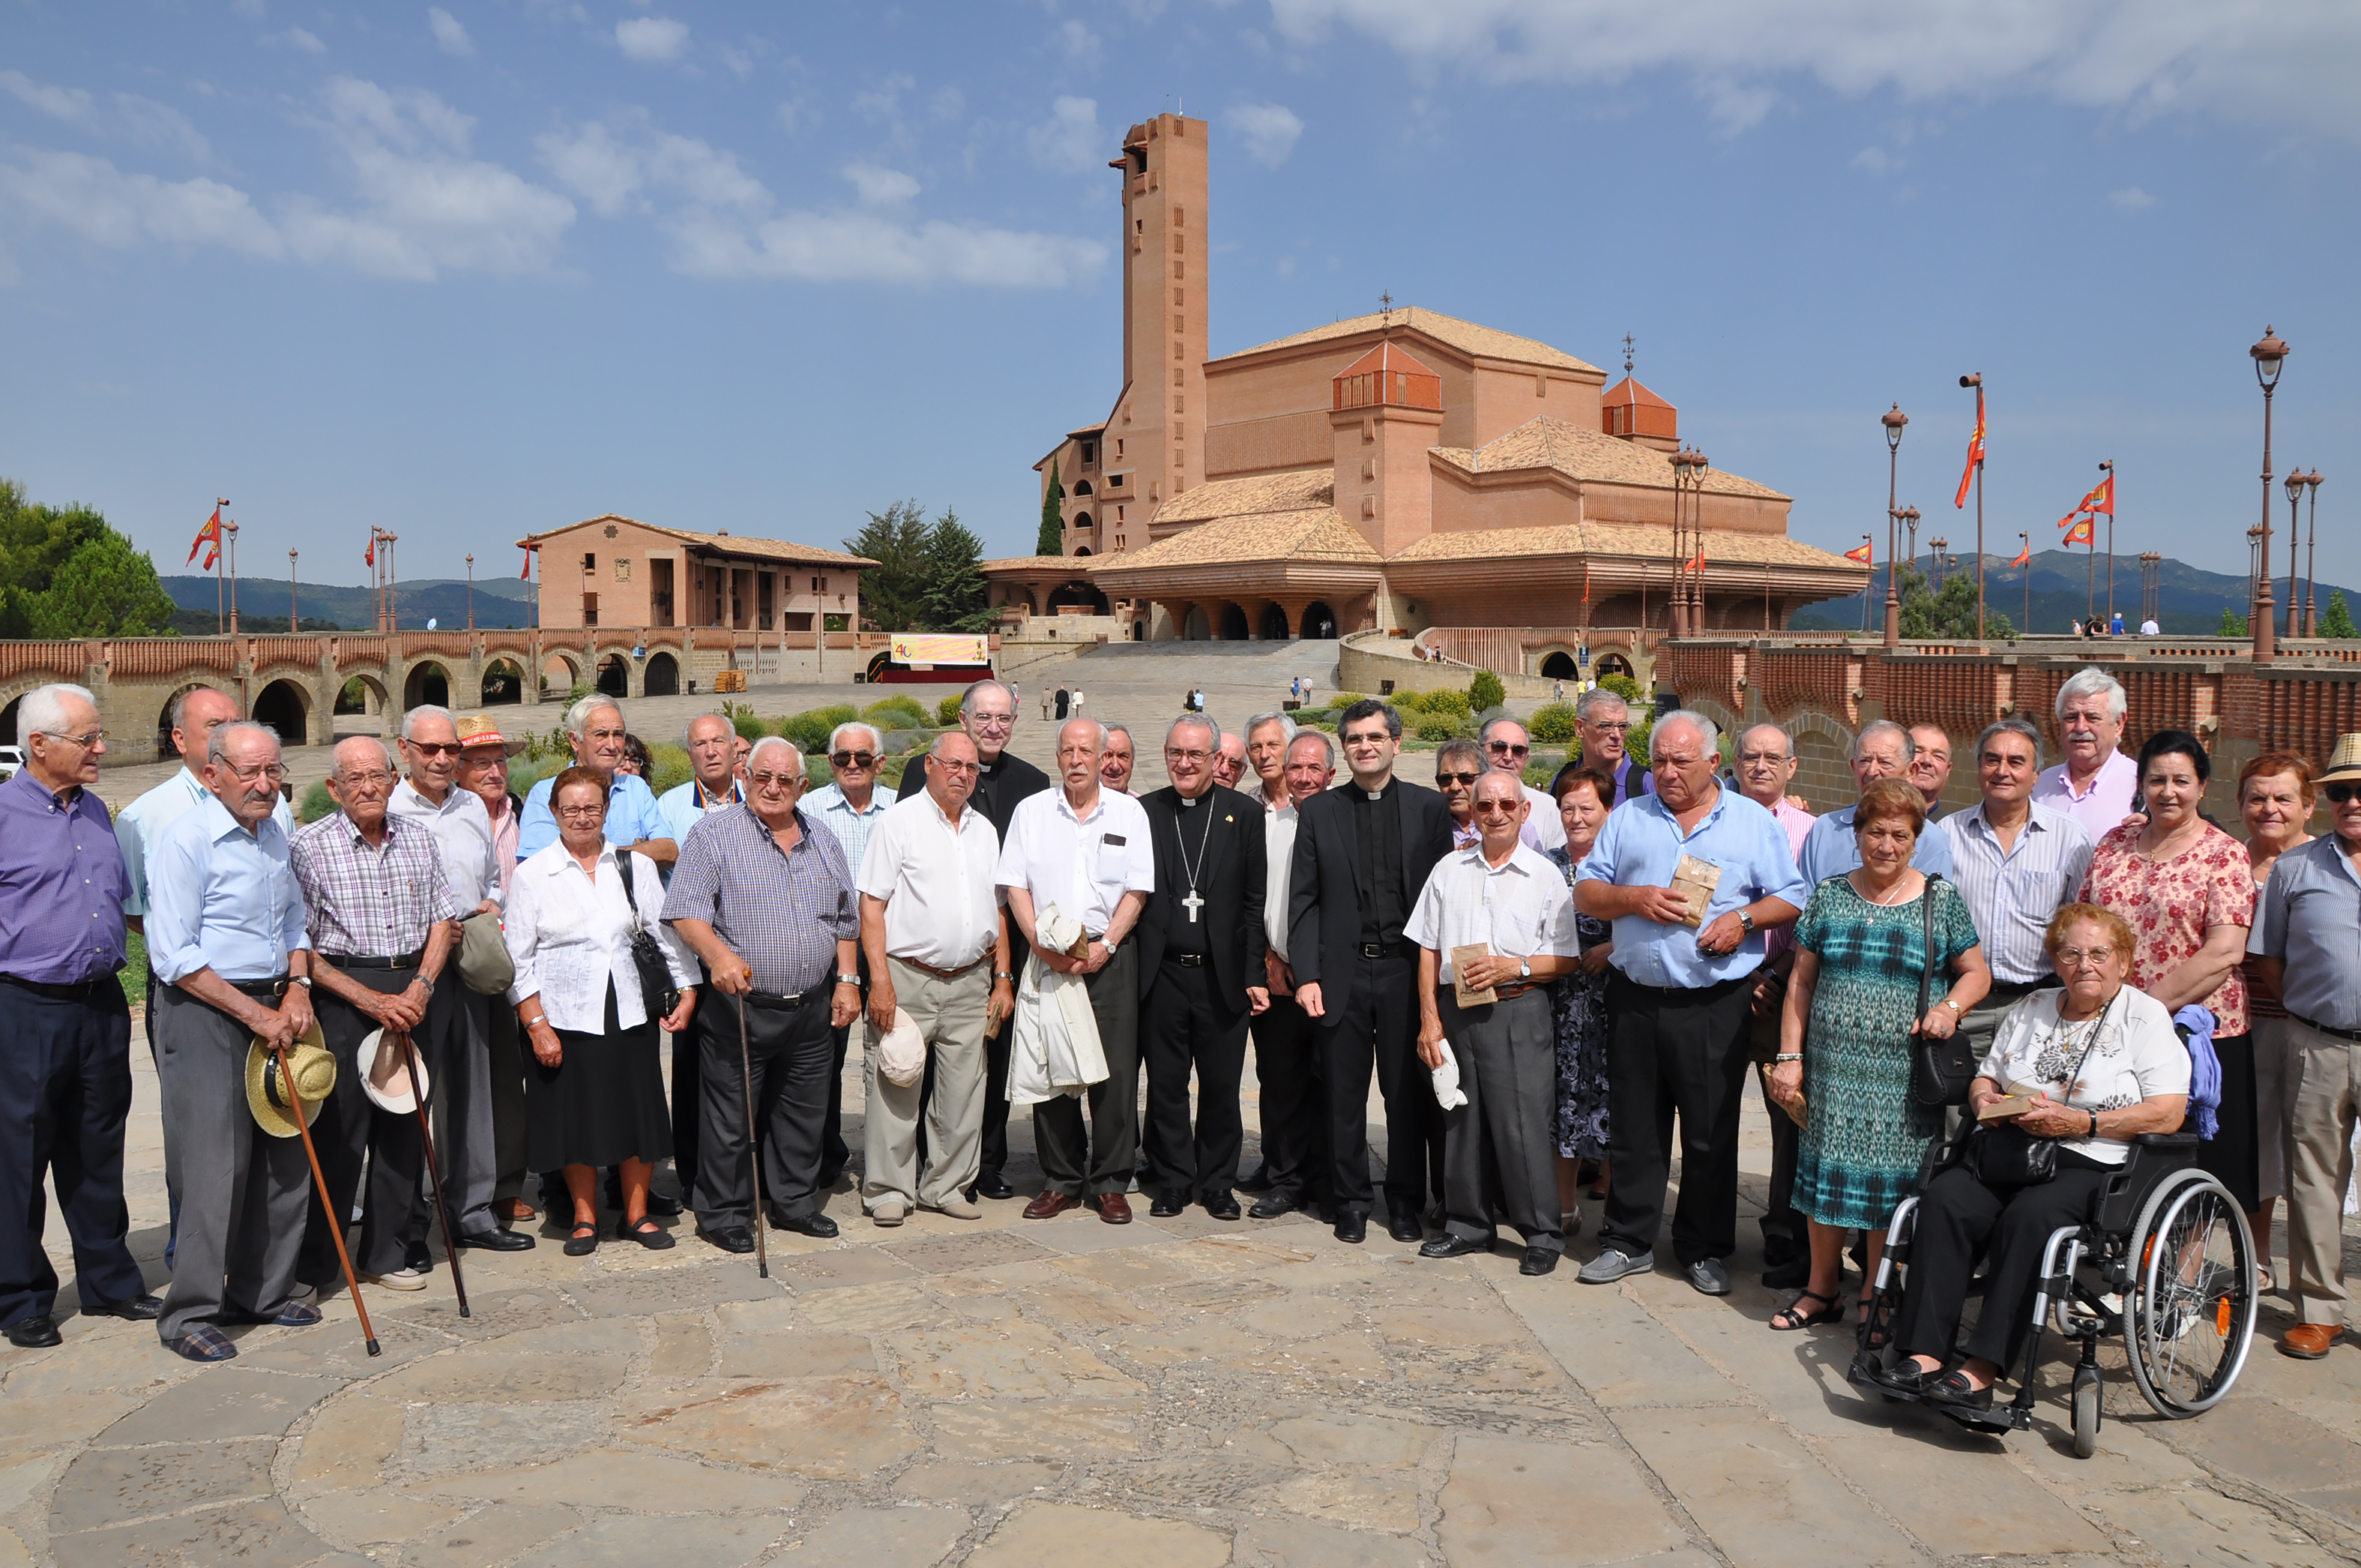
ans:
(2344, 762)
(379, 1056)
(314, 1073)
(477, 729)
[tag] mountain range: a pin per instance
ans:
(262, 604)
(2190, 601)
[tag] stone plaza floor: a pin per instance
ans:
(1179, 1392)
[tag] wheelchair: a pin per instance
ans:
(2165, 1259)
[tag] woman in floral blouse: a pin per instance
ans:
(2186, 890)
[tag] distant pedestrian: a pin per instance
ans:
(1065, 702)
(1074, 708)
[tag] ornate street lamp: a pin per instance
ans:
(1675, 615)
(471, 593)
(2295, 576)
(231, 529)
(1697, 467)
(1910, 522)
(293, 609)
(2269, 356)
(2311, 557)
(1936, 563)
(1894, 419)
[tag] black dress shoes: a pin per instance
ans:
(1951, 1391)
(1907, 1378)
(661, 1207)
(812, 1224)
(1257, 1179)
(1167, 1205)
(1448, 1245)
(1405, 1228)
(991, 1184)
(1222, 1205)
(138, 1309)
(1793, 1275)
(729, 1238)
(1354, 1228)
(1273, 1205)
(497, 1241)
(36, 1332)
(1539, 1260)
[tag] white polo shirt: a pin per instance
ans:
(1520, 908)
(1082, 864)
(1278, 857)
(462, 835)
(938, 880)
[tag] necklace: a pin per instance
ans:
(1880, 902)
(1193, 904)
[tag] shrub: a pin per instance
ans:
(808, 732)
(1437, 732)
(1410, 703)
(741, 718)
(1455, 703)
(1623, 686)
(1552, 723)
(1539, 774)
(896, 713)
(902, 742)
(316, 803)
(1343, 700)
(667, 767)
(947, 711)
(1486, 691)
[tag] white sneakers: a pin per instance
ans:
(400, 1279)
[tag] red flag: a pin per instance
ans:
(210, 532)
(2024, 556)
(1975, 452)
(2083, 533)
(1860, 555)
(2102, 499)
(526, 576)
(369, 556)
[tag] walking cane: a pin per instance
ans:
(753, 1144)
(320, 1186)
(433, 1170)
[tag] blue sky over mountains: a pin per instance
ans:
(470, 270)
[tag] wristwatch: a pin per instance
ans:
(1003, 974)
(847, 979)
(1746, 921)
(1954, 1006)
(1524, 968)
(303, 979)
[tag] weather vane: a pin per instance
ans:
(1627, 354)
(1386, 311)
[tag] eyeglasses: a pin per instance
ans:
(1369, 738)
(1174, 754)
(1748, 759)
(782, 781)
(377, 778)
(1609, 726)
(2340, 794)
(1443, 778)
(951, 767)
(2075, 958)
(1506, 750)
(274, 772)
(852, 759)
(579, 813)
(1498, 807)
(84, 741)
(434, 748)
(992, 721)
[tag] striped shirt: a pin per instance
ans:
(782, 911)
(2012, 894)
(851, 827)
(369, 903)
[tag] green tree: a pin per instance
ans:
(36, 542)
(893, 594)
(955, 590)
(1949, 613)
(2233, 624)
(1485, 692)
(1052, 540)
(2336, 620)
(106, 589)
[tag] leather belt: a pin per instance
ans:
(1500, 993)
(77, 990)
(1689, 992)
(777, 1002)
(1188, 961)
(354, 960)
(264, 990)
(2352, 1035)
(1380, 949)
(938, 973)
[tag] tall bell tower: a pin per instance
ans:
(1155, 442)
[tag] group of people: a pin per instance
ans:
(1551, 989)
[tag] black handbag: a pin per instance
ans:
(2005, 1156)
(658, 994)
(1940, 1070)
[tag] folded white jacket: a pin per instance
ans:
(1447, 1092)
(1056, 1048)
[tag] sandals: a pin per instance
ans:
(649, 1235)
(1794, 1317)
(583, 1241)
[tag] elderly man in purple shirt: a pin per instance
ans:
(65, 1079)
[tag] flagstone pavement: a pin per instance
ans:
(1176, 1392)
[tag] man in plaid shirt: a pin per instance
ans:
(380, 923)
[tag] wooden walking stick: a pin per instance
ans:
(320, 1186)
(753, 1145)
(433, 1170)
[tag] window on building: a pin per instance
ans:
(1118, 452)
(1180, 245)
(1180, 296)
(589, 563)
(1180, 215)
(589, 610)
(1178, 325)
(1090, 453)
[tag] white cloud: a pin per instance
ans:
(1876, 160)
(1080, 44)
(2279, 64)
(91, 198)
(883, 102)
(1069, 141)
(2131, 199)
(617, 169)
(70, 103)
(249, 9)
(796, 116)
(298, 38)
(450, 37)
(126, 117)
(881, 187)
(1268, 131)
(652, 40)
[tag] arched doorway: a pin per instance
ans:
(1197, 628)
(1081, 550)
(1274, 623)
(503, 682)
(8, 723)
(1233, 624)
(1081, 593)
(559, 672)
(1559, 666)
(614, 675)
(286, 707)
(1613, 665)
(428, 684)
(1319, 621)
(664, 676)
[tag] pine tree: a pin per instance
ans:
(1052, 541)
(2233, 624)
(106, 589)
(955, 591)
(893, 595)
(2337, 619)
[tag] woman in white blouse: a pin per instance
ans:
(2106, 1066)
(595, 1095)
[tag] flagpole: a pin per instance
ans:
(2109, 467)
(1976, 379)
(232, 529)
(294, 608)
(2027, 630)
(221, 609)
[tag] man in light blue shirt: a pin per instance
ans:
(225, 938)
(1882, 750)
(596, 725)
(196, 714)
(711, 742)
(1680, 998)
(849, 809)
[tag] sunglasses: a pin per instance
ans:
(2340, 794)
(434, 748)
(1498, 807)
(1502, 746)
(1443, 778)
(852, 759)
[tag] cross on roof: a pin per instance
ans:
(1627, 354)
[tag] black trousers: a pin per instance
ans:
(1787, 1235)
(1959, 1220)
(1185, 1023)
(65, 1093)
(2232, 1155)
(688, 1084)
(350, 1132)
(1294, 1110)
(1499, 1148)
(994, 1158)
(1380, 1033)
(1675, 1053)
(1087, 1162)
(835, 1153)
(788, 1051)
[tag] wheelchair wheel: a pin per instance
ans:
(2190, 1311)
(2086, 1411)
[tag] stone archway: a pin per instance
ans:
(1319, 621)
(663, 675)
(615, 676)
(561, 670)
(1077, 592)
(503, 682)
(1198, 626)
(285, 706)
(1613, 665)
(1234, 622)
(428, 684)
(1559, 666)
(8, 722)
(1274, 623)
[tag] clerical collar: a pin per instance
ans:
(1190, 800)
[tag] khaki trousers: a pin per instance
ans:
(949, 1014)
(2323, 1099)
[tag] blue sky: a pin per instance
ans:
(478, 268)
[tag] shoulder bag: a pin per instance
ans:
(2005, 1156)
(658, 994)
(1940, 1070)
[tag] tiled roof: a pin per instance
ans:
(1608, 540)
(1314, 534)
(1631, 391)
(1386, 355)
(1570, 449)
(1079, 566)
(1465, 337)
(1264, 492)
(727, 544)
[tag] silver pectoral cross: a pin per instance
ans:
(1192, 904)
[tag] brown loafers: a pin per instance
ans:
(1114, 1207)
(2308, 1341)
(1049, 1205)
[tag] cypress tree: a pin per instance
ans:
(1053, 538)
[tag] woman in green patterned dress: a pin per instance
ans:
(1845, 1039)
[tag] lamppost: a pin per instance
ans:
(1910, 522)
(295, 618)
(231, 529)
(2269, 356)
(2311, 558)
(471, 593)
(1677, 617)
(2254, 559)
(2295, 533)
(1696, 540)
(2026, 540)
(2151, 584)
(1976, 379)
(1894, 419)
(1866, 540)
(1935, 562)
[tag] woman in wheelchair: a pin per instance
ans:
(2097, 1063)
